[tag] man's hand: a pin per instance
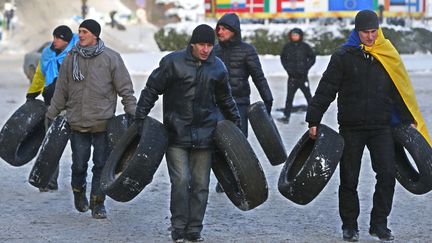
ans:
(313, 132)
(268, 106)
(139, 123)
(47, 123)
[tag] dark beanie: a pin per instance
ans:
(366, 20)
(92, 26)
(203, 34)
(63, 32)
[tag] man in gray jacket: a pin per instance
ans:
(89, 81)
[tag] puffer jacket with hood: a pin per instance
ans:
(297, 57)
(241, 60)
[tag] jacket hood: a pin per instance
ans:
(232, 22)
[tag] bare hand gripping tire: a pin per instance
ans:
(310, 165)
(134, 160)
(50, 153)
(409, 139)
(22, 134)
(267, 133)
(237, 168)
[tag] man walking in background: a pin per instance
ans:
(297, 58)
(90, 79)
(242, 61)
(194, 84)
(46, 74)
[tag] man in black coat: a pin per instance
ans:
(194, 84)
(242, 61)
(368, 102)
(297, 58)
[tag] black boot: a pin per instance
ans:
(80, 199)
(97, 207)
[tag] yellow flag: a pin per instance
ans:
(387, 55)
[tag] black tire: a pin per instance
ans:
(22, 134)
(134, 160)
(310, 165)
(116, 127)
(417, 182)
(50, 153)
(238, 169)
(267, 133)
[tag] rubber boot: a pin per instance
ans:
(80, 199)
(97, 207)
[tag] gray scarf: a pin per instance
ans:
(85, 52)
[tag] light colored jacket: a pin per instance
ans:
(90, 103)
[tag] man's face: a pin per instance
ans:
(59, 44)
(201, 50)
(295, 37)
(368, 37)
(86, 38)
(224, 34)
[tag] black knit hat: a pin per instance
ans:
(366, 20)
(203, 34)
(63, 32)
(92, 26)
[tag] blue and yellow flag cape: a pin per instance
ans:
(384, 51)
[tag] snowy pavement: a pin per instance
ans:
(26, 215)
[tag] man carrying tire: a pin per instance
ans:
(242, 62)
(90, 79)
(374, 92)
(46, 75)
(194, 83)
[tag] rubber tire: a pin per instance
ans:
(134, 160)
(116, 127)
(238, 170)
(310, 165)
(417, 182)
(23, 132)
(267, 133)
(50, 153)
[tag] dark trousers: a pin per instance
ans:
(243, 117)
(380, 145)
(81, 147)
(189, 171)
(293, 85)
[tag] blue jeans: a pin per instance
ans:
(189, 171)
(81, 147)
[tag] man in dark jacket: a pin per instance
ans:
(367, 100)
(194, 83)
(242, 61)
(297, 58)
(90, 79)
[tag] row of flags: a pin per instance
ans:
(286, 6)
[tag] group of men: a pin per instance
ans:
(207, 82)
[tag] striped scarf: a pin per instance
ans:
(85, 52)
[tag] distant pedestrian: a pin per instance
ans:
(47, 71)
(194, 83)
(373, 93)
(91, 77)
(297, 58)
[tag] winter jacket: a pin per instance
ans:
(366, 94)
(90, 103)
(191, 90)
(241, 60)
(297, 58)
(48, 67)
